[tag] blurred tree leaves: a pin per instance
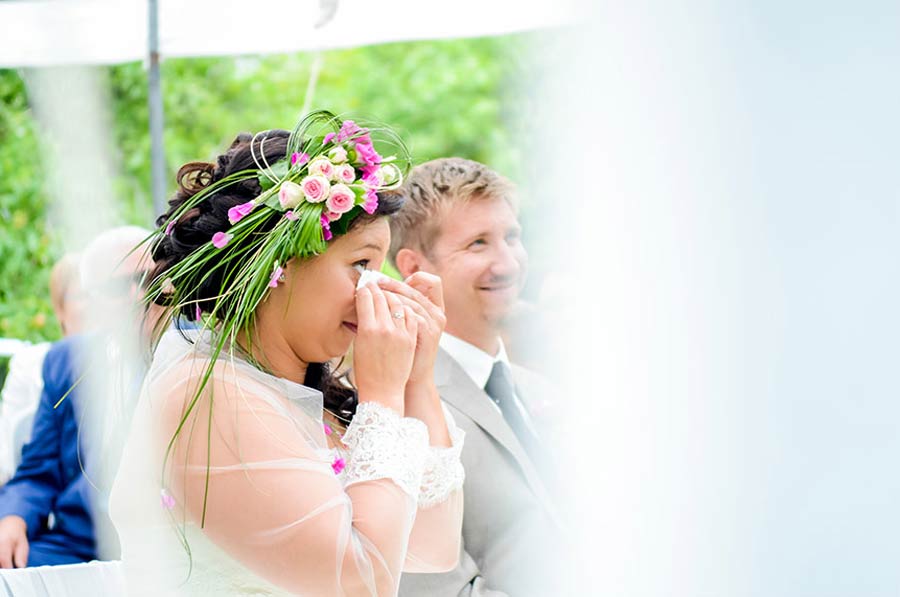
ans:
(462, 97)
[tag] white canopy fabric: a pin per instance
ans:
(64, 32)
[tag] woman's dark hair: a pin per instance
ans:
(197, 226)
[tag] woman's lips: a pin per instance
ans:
(350, 326)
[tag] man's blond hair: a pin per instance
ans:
(435, 186)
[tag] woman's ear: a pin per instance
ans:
(408, 262)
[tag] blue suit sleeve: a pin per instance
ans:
(33, 490)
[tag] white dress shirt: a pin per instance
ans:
(478, 366)
(20, 397)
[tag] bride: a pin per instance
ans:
(250, 467)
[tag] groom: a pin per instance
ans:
(459, 222)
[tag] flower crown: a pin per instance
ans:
(330, 175)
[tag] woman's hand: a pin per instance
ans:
(384, 347)
(422, 292)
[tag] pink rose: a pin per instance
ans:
(315, 188)
(290, 195)
(331, 216)
(345, 173)
(321, 166)
(341, 199)
(236, 213)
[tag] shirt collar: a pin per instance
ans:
(475, 362)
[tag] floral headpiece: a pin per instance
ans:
(331, 174)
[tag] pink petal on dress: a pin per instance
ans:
(338, 465)
(327, 428)
(168, 502)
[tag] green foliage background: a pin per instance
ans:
(469, 98)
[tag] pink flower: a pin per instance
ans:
(277, 276)
(348, 129)
(322, 166)
(168, 502)
(197, 313)
(345, 173)
(299, 158)
(315, 188)
(331, 215)
(326, 227)
(366, 154)
(169, 227)
(371, 203)
(220, 239)
(373, 180)
(239, 211)
(341, 200)
(290, 195)
(370, 171)
(328, 138)
(327, 428)
(291, 215)
(338, 465)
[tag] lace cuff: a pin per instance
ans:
(444, 471)
(385, 446)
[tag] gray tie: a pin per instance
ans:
(500, 388)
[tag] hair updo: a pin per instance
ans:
(196, 227)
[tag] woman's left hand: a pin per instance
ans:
(423, 293)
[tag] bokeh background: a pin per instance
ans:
(473, 98)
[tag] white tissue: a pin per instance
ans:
(369, 275)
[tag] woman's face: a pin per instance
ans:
(314, 309)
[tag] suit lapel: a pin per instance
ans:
(457, 388)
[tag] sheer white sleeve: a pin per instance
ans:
(444, 471)
(385, 446)
(435, 541)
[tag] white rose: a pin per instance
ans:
(338, 155)
(290, 195)
(389, 174)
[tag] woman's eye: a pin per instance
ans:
(361, 265)
(478, 242)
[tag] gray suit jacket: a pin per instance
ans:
(510, 529)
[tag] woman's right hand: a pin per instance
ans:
(384, 347)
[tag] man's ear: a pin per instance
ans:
(408, 262)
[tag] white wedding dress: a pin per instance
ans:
(289, 510)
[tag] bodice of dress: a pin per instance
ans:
(250, 499)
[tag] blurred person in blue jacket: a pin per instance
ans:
(52, 511)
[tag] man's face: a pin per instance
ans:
(482, 263)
